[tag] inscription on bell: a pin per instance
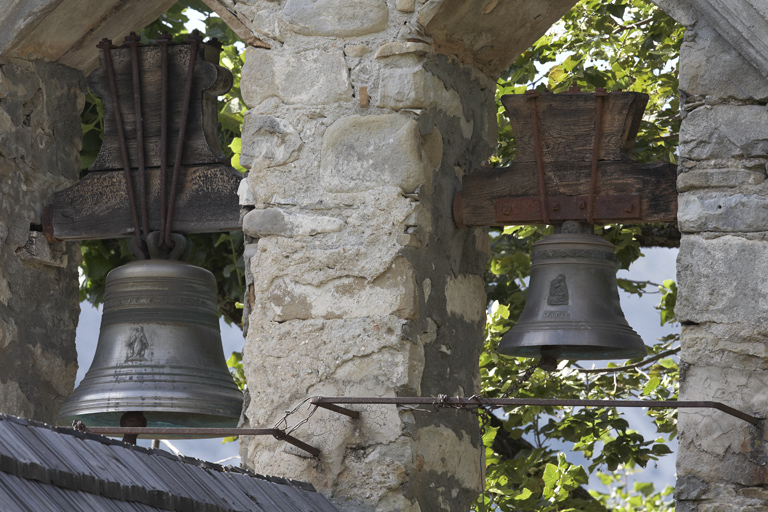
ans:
(137, 344)
(556, 314)
(558, 291)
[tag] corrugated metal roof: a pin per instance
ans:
(61, 469)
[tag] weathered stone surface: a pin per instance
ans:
(389, 304)
(465, 296)
(402, 48)
(725, 132)
(37, 249)
(719, 280)
(67, 31)
(743, 23)
(733, 77)
(714, 211)
(40, 135)
(271, 141)
(336, 18)
(310, 77)
(417, 88)
(718, 178)
(392, 293)
(356, 50)
(364, 152)
(489, 35)
(274, 221)
(406, 5)
(732, 345)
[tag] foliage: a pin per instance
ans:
(221, 253)
(616, 44)
(518, 481)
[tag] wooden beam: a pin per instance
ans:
(97, 206)
(476, 203)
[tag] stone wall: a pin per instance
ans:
(39, 142)
(722, 266)
(360, 283)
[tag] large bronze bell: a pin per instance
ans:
(159, 352)
(573, 309)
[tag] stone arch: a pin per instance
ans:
(405, 85)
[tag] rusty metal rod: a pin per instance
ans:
(340, 410)
(106, 46)
(133, 42)
(211, 432)
(322, 401)
(195, 39)
(164, 39)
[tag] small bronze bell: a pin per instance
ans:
(159, 352)
(573, 309)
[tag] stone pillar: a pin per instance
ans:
(722, 269)
(40, 137)
(359, 283)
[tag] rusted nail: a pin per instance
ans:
(582, 205)
(555, 206)
(629, 208)
(506, 210)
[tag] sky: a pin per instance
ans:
(657, 265)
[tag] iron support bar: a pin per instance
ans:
(323, 401)
(210, 432)
(340, 410)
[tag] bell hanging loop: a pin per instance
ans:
(573, 309)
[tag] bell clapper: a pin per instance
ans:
(549, 358)
(132, 419)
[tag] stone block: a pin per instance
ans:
(725, 132)
(714, 211)
(392, 293)
(720, 280)
(336, 18)
(268, 141)
(406, 5)
(718, 178)
(307, 77)
(716, 449)
(395, 48)
(731, 76)
(364, 152)
(274, 221)
(733, 345)
(414, 87)
(356, 50)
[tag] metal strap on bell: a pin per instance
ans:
(573, 309)
(159, 352)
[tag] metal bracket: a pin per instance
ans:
(204, 432)
(527, 210)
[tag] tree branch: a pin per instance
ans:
(660, 355)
